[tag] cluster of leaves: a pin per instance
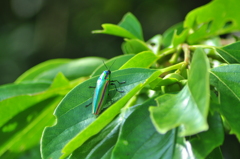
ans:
(182, 91)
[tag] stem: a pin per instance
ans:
(173, 67)
(166, 51)
(186, 51)
(193, 47)
(175, 56)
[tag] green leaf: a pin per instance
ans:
(226, 80)
(206, 142)
(27, 126)
(32, 73)
(230, 53)
(179, 38)
(115, 30)
(114, 64)
(142, 60)
(129, 27)
(193, 100)
(102, 143)
(216, 18)
(72, 69)
(139, 139)
(134, 46)
(216, 153)
(13, 90)
(9, 107)
(21, 111)
(30, 94)
(73, 107)
(130, 23)
(171, 33)
(111, 112)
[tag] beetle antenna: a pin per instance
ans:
(105, 65)
(110, 66)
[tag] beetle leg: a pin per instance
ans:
(116, 88)
(118, 81)
(88, 104)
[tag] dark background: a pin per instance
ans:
(33, 31)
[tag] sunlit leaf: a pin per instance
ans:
(29, 95)
(27, 126)
(129, 27)
(73, 116)
(216, 18)
(143, 60)
(130, 23)
(192, 101)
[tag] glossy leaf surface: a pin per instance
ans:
(24, 109)
(102, 143)
(73, 107)
(191, 102)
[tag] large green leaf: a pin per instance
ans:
(192, 101)
(207, 141)
(73, 117)
(226, 80)
(17, 101)
(129, 27)
(22, 111)
(215, 18)
(111, 112)
(27, 126)
(12, 90)
(230, 53)
(72, 69)
(102, 143)
(139, 139)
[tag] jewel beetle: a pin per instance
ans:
(102, 89)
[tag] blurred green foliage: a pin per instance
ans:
(34, 31)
